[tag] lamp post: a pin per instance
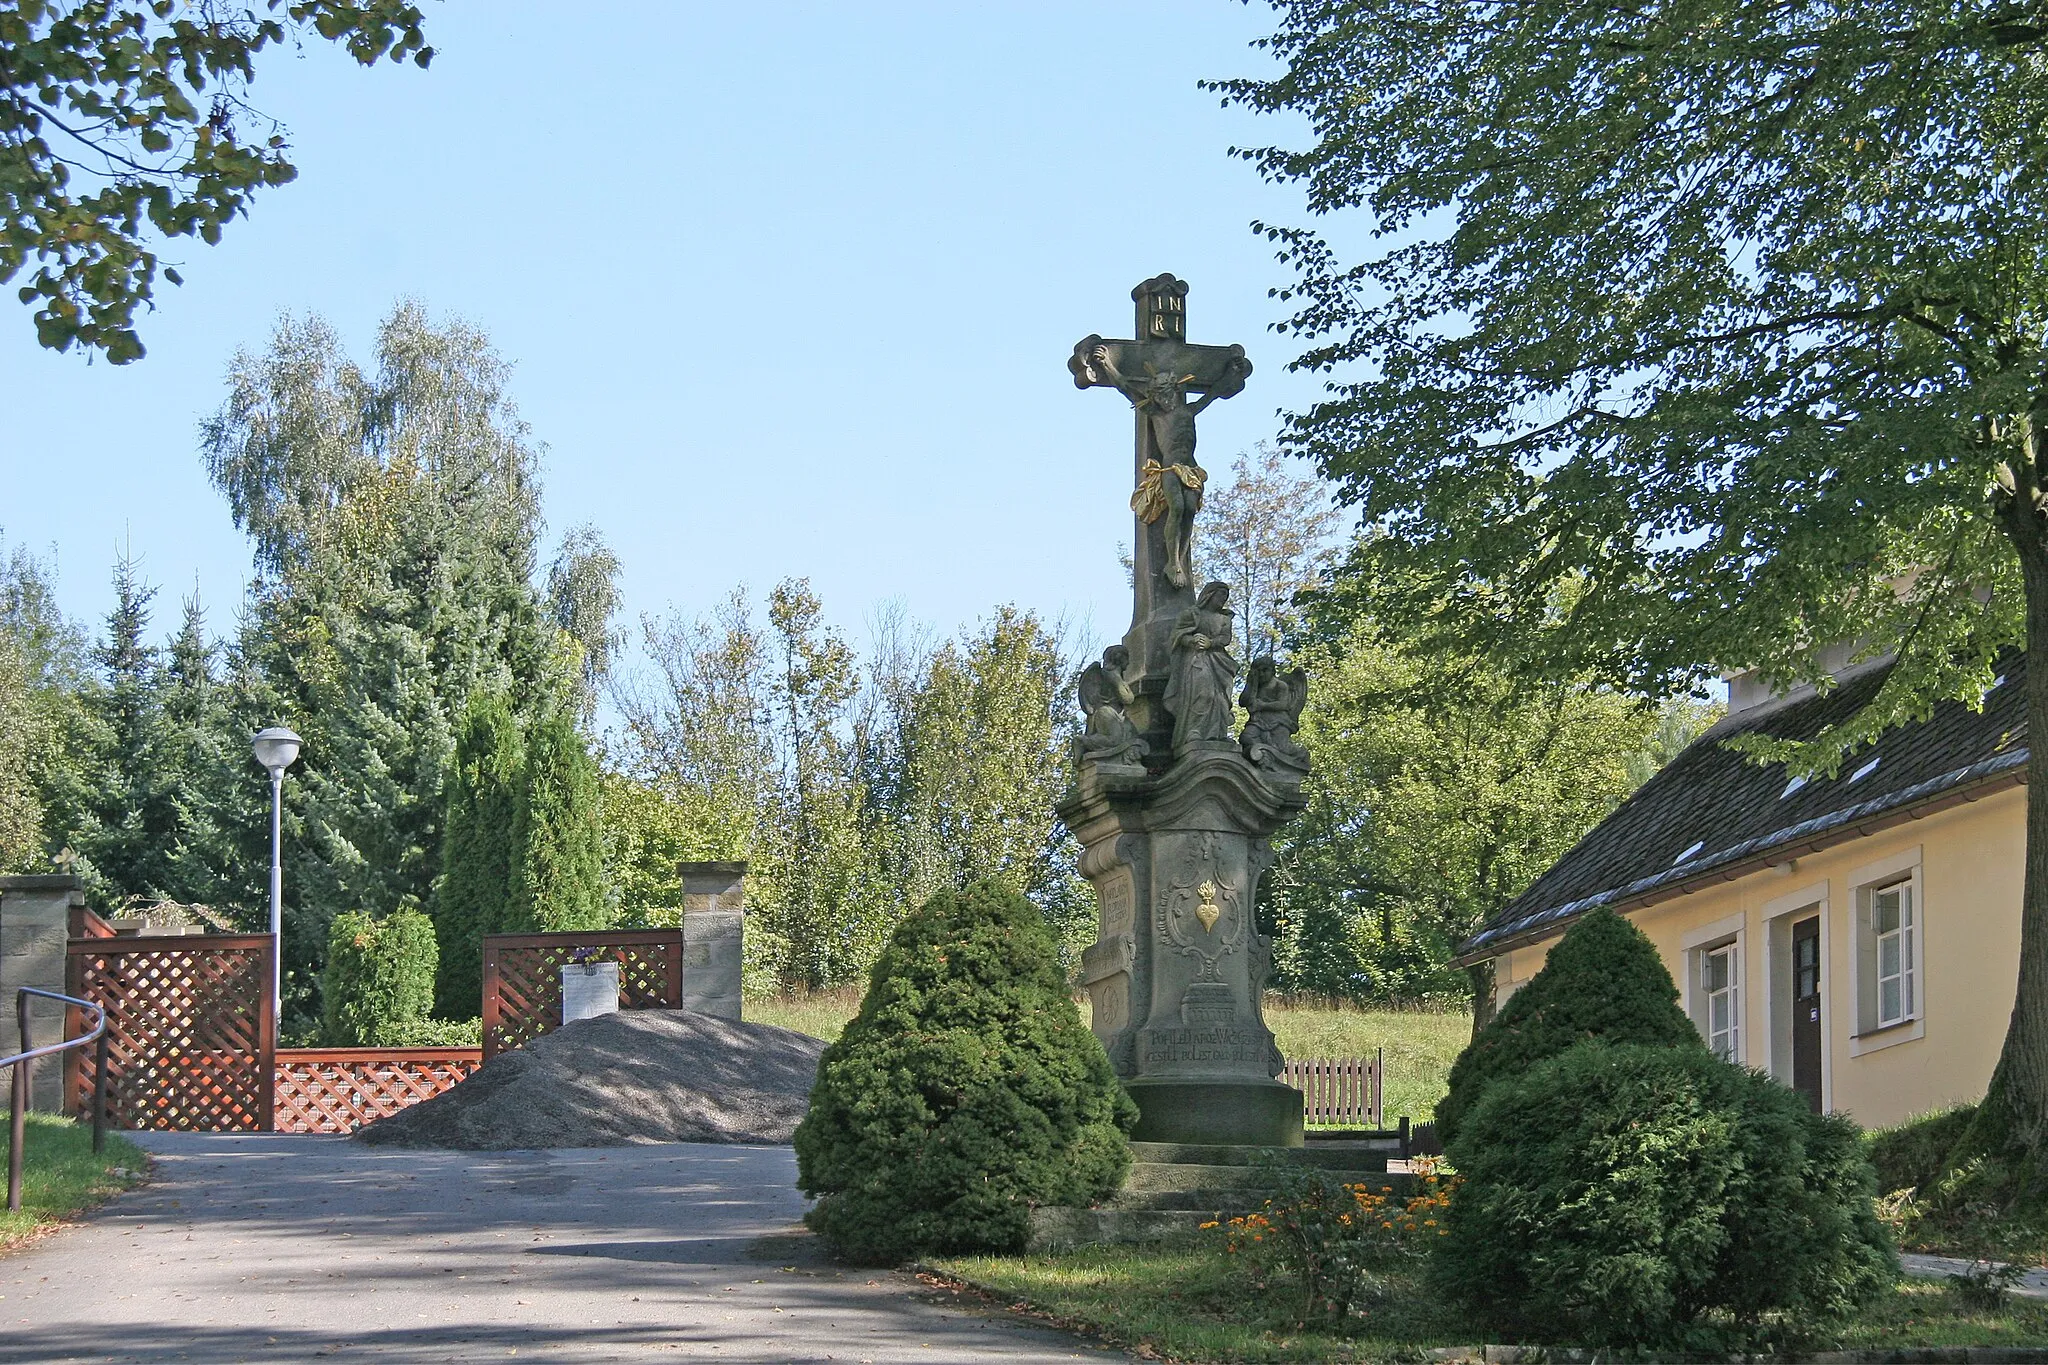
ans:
(276, 749)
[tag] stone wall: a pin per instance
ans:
(714, 935)
(35, 928)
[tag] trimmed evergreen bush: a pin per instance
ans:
(964, 1093)
(558, 833)
(379, 981)
(1602, 981)
(436, 1033)
(477, 851)
(1659, 1198)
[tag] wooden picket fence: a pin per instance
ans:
(1340, 1091)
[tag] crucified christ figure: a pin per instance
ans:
(1170, 483)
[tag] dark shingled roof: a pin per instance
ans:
(1737, 811)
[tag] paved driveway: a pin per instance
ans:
(262, 1248)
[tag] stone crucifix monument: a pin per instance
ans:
(1174, 815)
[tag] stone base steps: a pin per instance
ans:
(1338, 1154)
(1173, 1188)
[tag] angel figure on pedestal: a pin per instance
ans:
(1109, 736)
(1273, 701)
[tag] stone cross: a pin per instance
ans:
(1175, 848)
(1158, 372)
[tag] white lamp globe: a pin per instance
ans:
(276, 748)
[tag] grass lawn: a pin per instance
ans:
(1924, 1313)
(60, 1176)
(1420, 1046)
(821, 1014)
(1192, 1303)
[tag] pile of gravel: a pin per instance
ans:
(634, 1076)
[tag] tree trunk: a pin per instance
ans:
(2012, 1121)
(1481, 979)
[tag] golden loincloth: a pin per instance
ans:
(1149, 502)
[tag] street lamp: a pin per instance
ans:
(276, 749)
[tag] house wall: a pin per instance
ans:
(1970, 862)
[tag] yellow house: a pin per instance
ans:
(1857, 937)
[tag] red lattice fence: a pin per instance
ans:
(86, 924)
(1339, 1090)
(189, 1030)
(338, 1090)
(523, 978)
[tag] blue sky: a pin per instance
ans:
(789, 290)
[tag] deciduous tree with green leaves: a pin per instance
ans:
(1271, 534)
(42, 671)
(22, 735)
(973, 755)
(1442, 787)
(1733, 317)
(123, 123)
(834, 923)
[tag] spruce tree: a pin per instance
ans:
(474, 895)
(558, 832)
(200, 776)
(104, 812)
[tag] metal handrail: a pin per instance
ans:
(22, 1061)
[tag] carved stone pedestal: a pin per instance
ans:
(1178, 967)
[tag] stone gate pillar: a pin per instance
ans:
(714, 936)
(35, 929)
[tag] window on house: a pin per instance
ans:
(1720, 1000)
(1893, 931)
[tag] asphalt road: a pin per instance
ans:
(263, 1248)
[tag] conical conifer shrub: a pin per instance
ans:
(1603, 981)
(964, 1094)
(477, 851)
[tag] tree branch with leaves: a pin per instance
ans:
(124, 123)
(1702, 335)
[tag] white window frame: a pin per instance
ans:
(1874, 1031)
(1895, 949)
(1725, 1042)
(1724, 936)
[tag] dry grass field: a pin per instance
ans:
(1420, 1045)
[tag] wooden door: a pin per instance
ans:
(1806, 1040)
